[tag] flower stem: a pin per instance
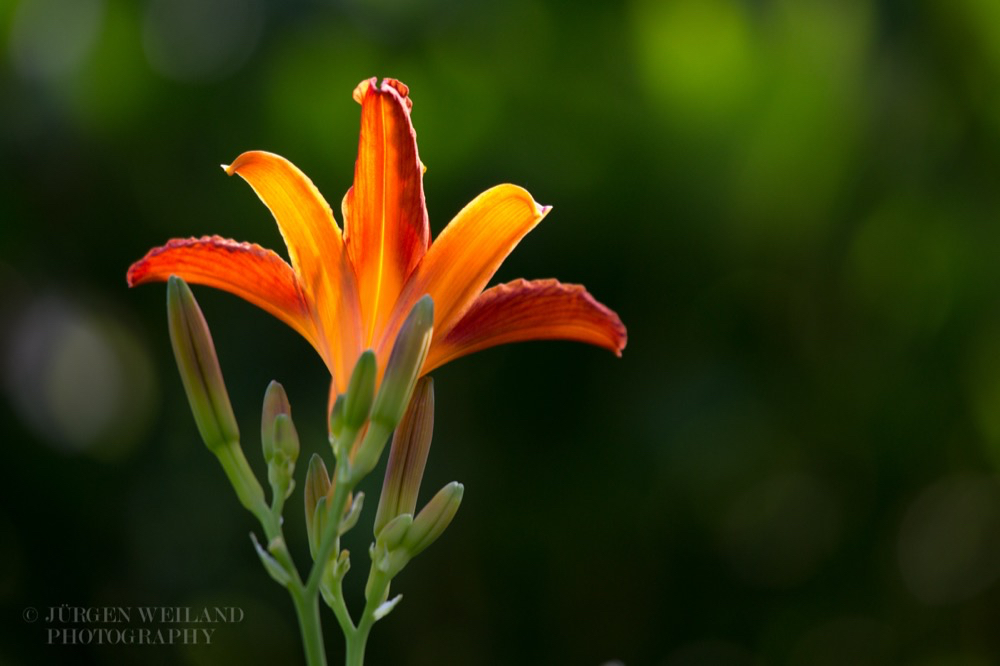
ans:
(307, 610)
(356, 642)
(306, 602)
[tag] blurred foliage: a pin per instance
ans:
(791, 203)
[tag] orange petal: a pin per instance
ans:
(385, 218)
(249, 271)
(316, 249)
(523, 310)
(466, 254)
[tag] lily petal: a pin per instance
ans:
(467, 253)
(246, 270)
(316, 249)
(529, 310)
(385, 218)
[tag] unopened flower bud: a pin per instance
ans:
(275, 403)
(199, 367)
(281, 466)
(434, 518)
(407, 456)
(286, 439)
(317, 488)
(405, 362)
(317, 484)
(360, 392)
(337, 417)
(393, 533)
(388, 557)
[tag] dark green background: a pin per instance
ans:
(791, 204)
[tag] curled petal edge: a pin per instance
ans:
(255, 274)
(529, 310)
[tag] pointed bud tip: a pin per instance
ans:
(199, 368)
(275, 404)
(425, 308)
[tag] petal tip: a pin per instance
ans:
(393, 87)
(131, 276)
(243, 159)
(401, 89)
(362, 88)
(397, 85)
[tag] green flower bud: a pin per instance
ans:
(337, 417)
(199, 367)
(360, 392)
(281, 466)
(317, 489)
(316, 525)
(434, 518)
(286, 439)
(317, 484)
(275, 403)
(405, 363)
(408, 456)
(333, 573)
(388, 554)
(392, 534)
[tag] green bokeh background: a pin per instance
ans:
(793, 205)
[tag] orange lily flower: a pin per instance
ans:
(347, 292)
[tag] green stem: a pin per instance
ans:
(244, 481)
(306, 604)
(356, 641)
(307, 610)
(340, 610)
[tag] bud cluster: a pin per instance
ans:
(360, 424)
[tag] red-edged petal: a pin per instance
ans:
(247, 270)
(385, 218)
(523, 310)
(316, 249)
(465, 256)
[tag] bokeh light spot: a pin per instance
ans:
(904, 265)
(78, 378)
(197, 41)
(52, 38)
(983, 383)
(697, 56)
(780, 530)
(949, 540)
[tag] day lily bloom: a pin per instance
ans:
(350, 291)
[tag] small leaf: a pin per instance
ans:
(277, 572)
(386, 607)
(350, 519)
